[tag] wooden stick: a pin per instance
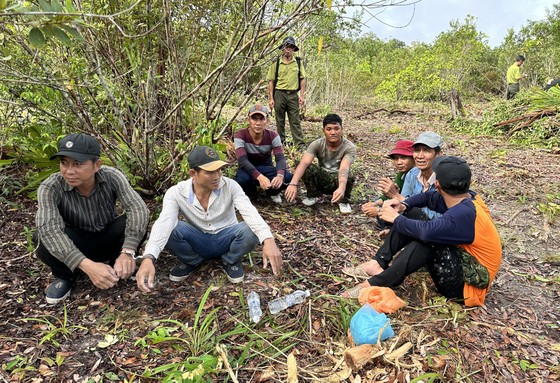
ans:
(357, 357)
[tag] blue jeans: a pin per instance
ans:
(193, 247)
(249, 184)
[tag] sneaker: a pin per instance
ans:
(309, 201)
(234, 272)
(276, 199)
(58, 291)
(181, 272)
(345, 208)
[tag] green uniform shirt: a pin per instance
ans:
(287, 74)
(513, 74)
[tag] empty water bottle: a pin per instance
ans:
(282, 303)
(254, 303)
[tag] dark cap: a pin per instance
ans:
(402, 147)
(452, 173)
(258, 108)
(520, 58)
(430, 139)
(289, 41)
(205, 158)
(78, 146)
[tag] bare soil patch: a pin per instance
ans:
(514, 337)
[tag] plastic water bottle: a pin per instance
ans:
(282, 303)
(254, 303)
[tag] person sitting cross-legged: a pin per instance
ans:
(461, 248)
(254, 147)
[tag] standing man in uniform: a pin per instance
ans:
(286, 90)
(513, 76)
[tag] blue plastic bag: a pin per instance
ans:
(366, 324)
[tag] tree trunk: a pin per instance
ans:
(456, 105)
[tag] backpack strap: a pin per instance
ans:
(298, 60)
(276, 74)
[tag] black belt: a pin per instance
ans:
(287, 91)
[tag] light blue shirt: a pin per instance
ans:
(413, 186)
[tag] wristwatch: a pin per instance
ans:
(132, 253)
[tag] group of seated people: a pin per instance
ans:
(429, 215)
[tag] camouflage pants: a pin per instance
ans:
(318, 181)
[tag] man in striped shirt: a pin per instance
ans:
(78, 224)
(254, 147)
(210, 230)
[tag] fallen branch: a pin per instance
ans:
(527, 118)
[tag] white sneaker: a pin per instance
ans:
(309, 201)
(276, 199)
(345, 208)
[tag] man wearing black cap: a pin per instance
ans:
(78, 225)
(286, 91)
(513, 76)
(461, 248)
(254, 147)
(210, 230)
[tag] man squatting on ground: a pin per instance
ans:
(254, 147)
(210, 229)
(335, 155)
(78, 225)
(402, 158)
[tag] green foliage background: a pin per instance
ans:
(151, 79)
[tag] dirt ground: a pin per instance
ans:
(514, 337)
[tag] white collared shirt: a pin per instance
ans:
(219, 215)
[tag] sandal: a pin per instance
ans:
(353, 292)
(356, 272)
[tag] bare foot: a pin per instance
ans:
(372, 267)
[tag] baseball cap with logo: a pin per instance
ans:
(79, 146)
(258, 108)
(402, 147)
(205, 158)
(430, 139)
(453, 173)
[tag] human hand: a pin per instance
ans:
(370, 209)
(271, 253)
(290, 193)
(338, 194)
(124, 266)
(277, 181)
(271, 104)
(145, 276)
(388, 187)
(389, 211)
(301, 99)
(264, 182)
(101, 275)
